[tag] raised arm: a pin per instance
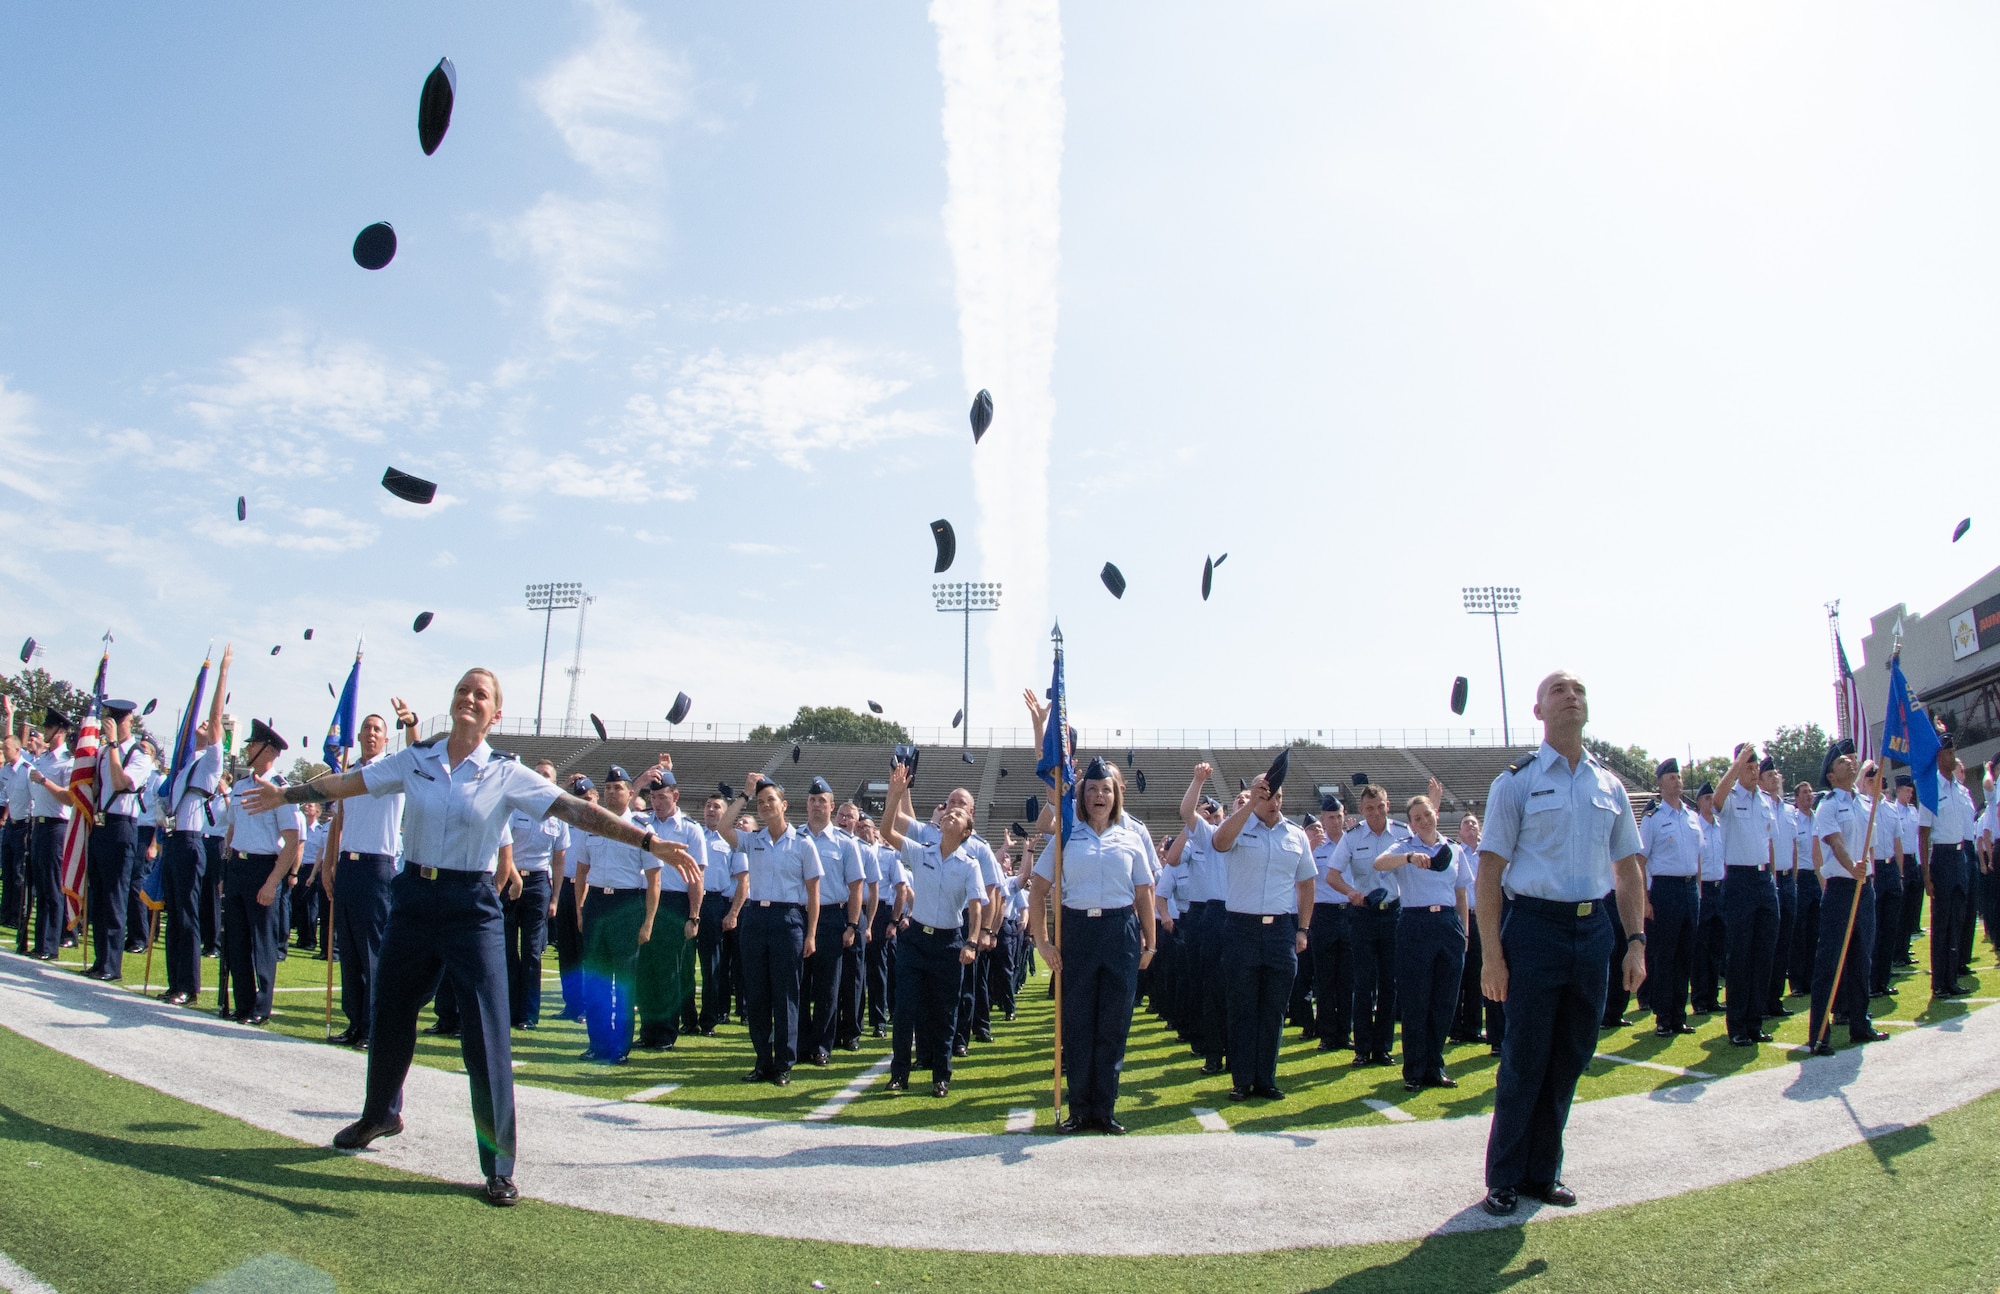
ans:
(1232, 826)
(892, 812)
(215, 701)
(1192, 799)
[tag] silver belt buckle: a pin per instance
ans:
(608, 890)
(763, 903)
(1267, 920)
(1436, 908)
(1093, 912)
(1583, 909)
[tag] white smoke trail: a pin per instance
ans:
(1001, 63)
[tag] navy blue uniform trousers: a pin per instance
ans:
(819, 1023)
(881, 966)
(1950, 897)
(1211, 1012)
(1711, 949)
(1676, 904)
(1888, 883)
(772, 940)
(1557, 964)
(110, 861)
(1372, 934)
(186, 863)
(45, 885)
(451, 923)
(1750, 915)
(1260, 959)
(1100, 986)
(526, 938)
(361, 888)
(928, 978)
(1848, 998)
(250, 936)
(1430, 958)
(713, 945)
(14, 875)
(1473, 1004)
(1333, 975)
(1788, 914)
(1805, 930)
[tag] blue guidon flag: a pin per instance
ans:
(1909, 737)
(340, 733)
(1057, 765)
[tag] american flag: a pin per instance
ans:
(1853, 719)
(83, 790)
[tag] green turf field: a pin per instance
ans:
(1162, 1081)
(109, 1186)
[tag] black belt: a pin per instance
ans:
(1748, 867)
(1099, 914)
(1435, 907)
(356, 855)
(613, 892)
(457, 874)
(1684, 879)
(1554, 908)
(775, 903)
(1262, 918)
(40, 819)
(948, 932)
(129, 817)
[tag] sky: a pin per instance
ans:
(1677, 318)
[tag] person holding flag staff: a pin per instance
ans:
(1109, 935)
(1945, 823)
(445, 914)
(187, 801)
(933, 948)
(1559, 835)
(1847, 908)
(123, 767)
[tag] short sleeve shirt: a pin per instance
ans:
(456, 817)
(1559, 828)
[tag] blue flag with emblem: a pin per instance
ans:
(341, 732)
(1057, 765)
(183, 753)
(1909, 736)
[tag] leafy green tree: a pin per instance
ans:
(1709, 770)
(1630, 762)
(34, 692)
(1799, 752)
(833, 723)
(305, 770)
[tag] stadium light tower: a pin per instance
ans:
(964, 598)
(1492, 600)
(549, 599)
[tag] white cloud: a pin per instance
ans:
(296, 386)
(23, 463)
(821, 396)
(585, 250)
(610, 99)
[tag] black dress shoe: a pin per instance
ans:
(898, 1085)
(757, 1076)
(1070, 1126)
(1111, 1127)
(1501, 1202)
(357, 1135)
(1327, 1045)
(1738, 1040)
(1765, 1037)
(820, 1058)
(1779, 1012)
(874, 1031)
(175, 999)
(1440, 1080)
(958, 1049)
(439, 1031)
(1663, 1031)
(1685, 1028)
(1821, 1048)
(1212, 1067)
(1873, 1035)
(254, 1021)
(1268, 1093)
(982, 1035)
(1412, 1085)
(783, 1078)
(1554, 1193)
(940, 1088)
(500, 1192)
(1239, 1093)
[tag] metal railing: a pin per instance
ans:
(1016, 738)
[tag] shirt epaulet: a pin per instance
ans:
(428, 742)
(505, 754)
(1523, 761)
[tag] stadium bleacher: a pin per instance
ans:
(1003, 777)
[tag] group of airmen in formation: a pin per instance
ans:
(447, 868)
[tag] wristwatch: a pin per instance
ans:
(1638, 936)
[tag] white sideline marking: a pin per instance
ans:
(1388, 1111)
(1896, 1024)
(1675, 1070)
(846, 1096)
(652, 1093)
(1980, 999)
(1209, 1120)
(1021, 1120)
(19, 1279)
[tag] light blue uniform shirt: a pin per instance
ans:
(613, 865)
(1265, 864)
(894, 874)
(1885, 830)
(1559, 829)
(1322, 863)
(1099, 872)
(1845, 814)
(535, 841)
(313, 845)
(192, 788)
(260, 833)
(1671, 840)
(1358, 848)
(779, 869)
(724, 865)
(840, 864)
(374, 825)
(455, 818)
(1424, 888)
(1207, 876)
(1747, 824)
(215, 817)
(14, 777)
(1712, 864)
(689, 833)
(1952, 824)
(1906, 830)
(941, 888)
(138, 766)
(53, 765)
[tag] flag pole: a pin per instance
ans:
(1055, 921)
(332, 841)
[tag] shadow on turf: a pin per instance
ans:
(245, 1169)
(1465, 1262)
